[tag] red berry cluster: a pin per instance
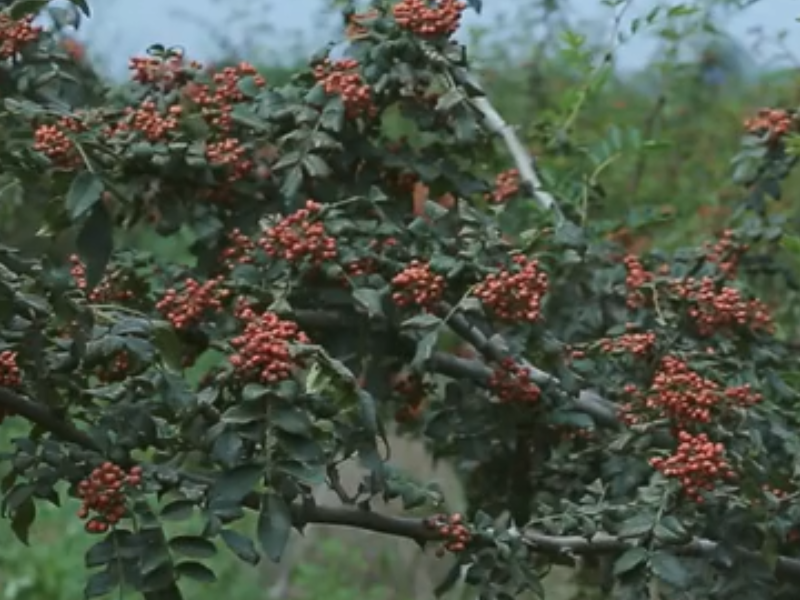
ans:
(515, 295)
(638, 344)
(149, 120)
(263, 352)
(342, 78)
(743, 395)
(452, 529)
(113, 287)
(216, 101)
(55, 143)
(186, 307)
(103, 493)
(166, 72)
(417, 285)
(775, 122)
(698, 463)
(714, 310)
(682, 393)
(511, 382)
(299, 238)
(10, 373)
(429, 19)
(118, 369)
(232, 154)
(725, 253)
(506, 186)
(636, 277)
(16, 34)
(239, 251)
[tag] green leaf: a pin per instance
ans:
(274, 526)
(292, 182)
(178, 510)
(83, 6)
(671, 531)
(423, 321)
(636, 526)
(22, 520)
(425, 348)
(241, 545)
(246, 412)
(254, 391)
(193, 546)
(244, 116)
(23, 8)
(291, 420)
(95, 243)
(85, 191)
(195, 570)
(101, 583)
(315, 166)
(631, 559)
(370, 299)
(101, 553)
(669, 569)
(231, 487)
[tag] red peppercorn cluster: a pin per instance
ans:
(774, 122)
(743, 395)
(698, 463)
(636, 277)
(230, 153)
(185, 307)
(682, 393)
(165, 72)
(511, 382)
(10, 373)
(429, 19)
(638, 344)
(452, 529)
(216, 101)
(515, 295)
(506, 186)
(342, 78)
(263, 352)
(725, 253)
(118, 369)
(714, 310)
(299, 237)
(54, 142)
(16, 34)
(239, 250)
(103, 492)
(417, 285)
(149, 120)
(113, 287)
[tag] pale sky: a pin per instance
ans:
(121, 28)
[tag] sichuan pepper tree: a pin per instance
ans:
(595, 403)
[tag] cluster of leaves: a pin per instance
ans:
(594, 401)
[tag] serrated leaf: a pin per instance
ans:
(669, 569)
(23, 518)
(370, 299)
(193, 546)
(23, 8)
(231, 487)
(195, 570)
(241, 545)
(274, 526)
(291, 420)
(85, 191)
(100, 584)
(631, 559)
(423, 321)
(246, 412)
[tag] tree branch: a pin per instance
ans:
(557, 547)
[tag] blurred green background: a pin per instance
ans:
(656, 143)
